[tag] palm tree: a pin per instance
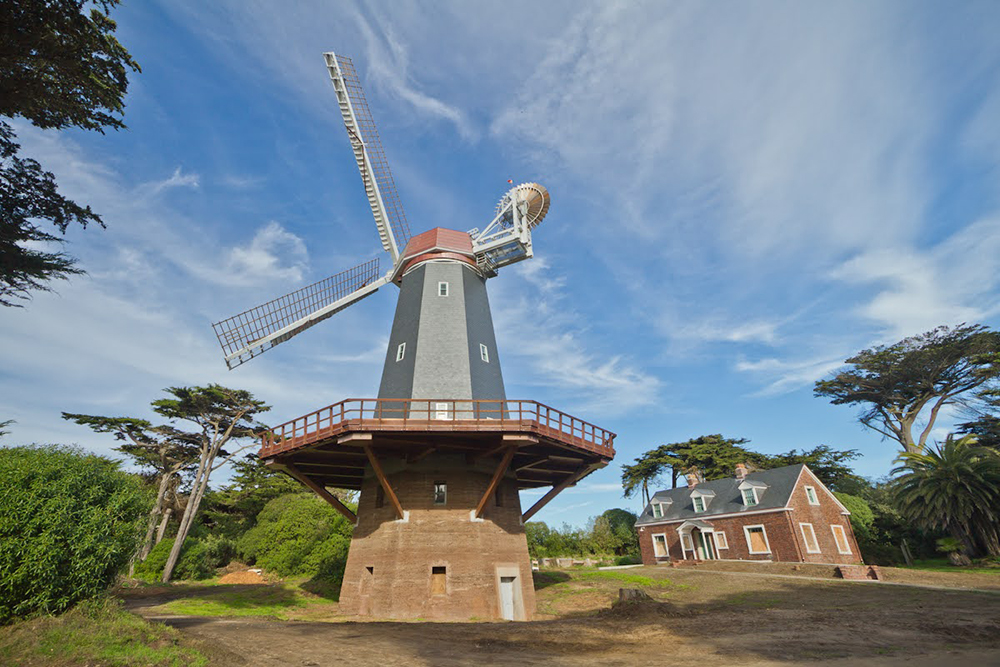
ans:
(953, 487)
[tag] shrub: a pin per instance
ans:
(631, 559)
(69, 523)
(298, 534)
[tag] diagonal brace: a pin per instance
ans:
(555, 491)
(294, 472)
(497, 476)
(377, 467)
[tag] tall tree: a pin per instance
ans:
(59, 68)
(220, 415)
(895, 383)
(953, 487)
(163, 450)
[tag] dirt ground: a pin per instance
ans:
(729, 618)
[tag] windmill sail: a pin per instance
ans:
(390, 219)
(251, 333)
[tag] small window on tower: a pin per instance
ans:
(442, 289)
(400, 351)
(484, 353)
(440, 493)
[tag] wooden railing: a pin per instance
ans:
(398, 414)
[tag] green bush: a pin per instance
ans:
(298, 534)
(69, 523)
(630, 559)
(195, 561)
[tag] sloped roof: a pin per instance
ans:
(728, 499)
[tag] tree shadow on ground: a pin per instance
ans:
(324, 587)
(544, 579)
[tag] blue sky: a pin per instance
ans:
(743, 195)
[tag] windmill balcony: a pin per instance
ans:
(552, 443)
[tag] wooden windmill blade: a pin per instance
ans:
(257, 330)
(380, 187)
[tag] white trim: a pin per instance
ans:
(725, 541)
(834, 498)
(443, 292)
(753, 492)
(653, 507)
(442, 411)
(843, 532)
(484, 352)
(666, 547)
(763, 530)
(694, 503)
(805, 538)
(401, 352)
(811, 495)
(690, 544)
(713, 517)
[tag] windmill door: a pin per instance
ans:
(507, 598)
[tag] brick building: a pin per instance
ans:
(783, 514)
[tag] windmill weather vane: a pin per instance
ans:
(440, 456)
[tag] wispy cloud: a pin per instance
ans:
(176, 180)
(782, 376)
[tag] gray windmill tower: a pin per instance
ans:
(440, 455)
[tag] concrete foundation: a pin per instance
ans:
(439, 562)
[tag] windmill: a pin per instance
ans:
(440, 455)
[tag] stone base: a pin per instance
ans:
(439, 562)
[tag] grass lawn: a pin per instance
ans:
(98, 634)
(942, 565)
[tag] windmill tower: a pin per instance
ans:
(440, 456)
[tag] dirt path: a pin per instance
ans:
(725, 619)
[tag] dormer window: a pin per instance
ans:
(751, 492)
(660, 509)
(700, 498)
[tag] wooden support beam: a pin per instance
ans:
(416, 456)
(532, 464)
(497, 476)
(292, 471)
(555, 491)
(377, 467)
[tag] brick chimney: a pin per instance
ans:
(693, 478)
(741, 471)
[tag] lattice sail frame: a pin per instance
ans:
(257, 330)
(393, 228)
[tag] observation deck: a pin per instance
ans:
(332, 445)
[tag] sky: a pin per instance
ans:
(743, 196)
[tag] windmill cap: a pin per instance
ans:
(437, 243)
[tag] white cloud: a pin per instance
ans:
(783, 376)
(176, 180)
(274, 254)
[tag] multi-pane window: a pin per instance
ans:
(660, 546)
(699, 504)
(811, 496)
(757, 539)
(840, 536)
(440, 493)
(400, 351)
(442, 289)
(657, 511)
(484, 353)
(809, 537)
(750, 497)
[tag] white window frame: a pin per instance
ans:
(695, 501)
(811, 495)
(843, 533)
(657, 507)
(721, 541)
(767, 543)
(443, 288)
(805, 538)
(442, 411)
(753, 492)
(666, 547)
(401, 352)
(687, 544)
(484, 352)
